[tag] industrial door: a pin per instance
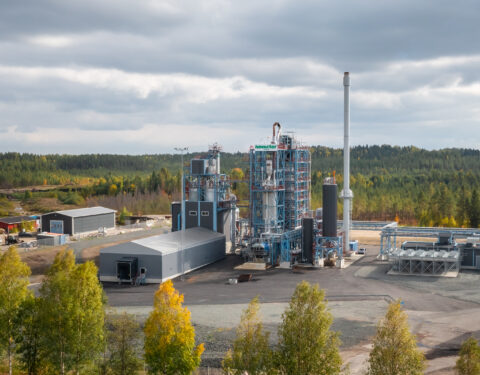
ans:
(56, 226)
(477, 262)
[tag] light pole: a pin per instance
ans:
(182, 229)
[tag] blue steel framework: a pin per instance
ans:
(324, 246)
(279, 198)
(297, 186)
(211, 180)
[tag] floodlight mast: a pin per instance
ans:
(182, 229)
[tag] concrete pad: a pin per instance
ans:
(448, 274)
(254, 266)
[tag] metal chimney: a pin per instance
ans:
(347, 194)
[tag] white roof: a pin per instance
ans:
(165, 243)
(170, 242)
(89, 211)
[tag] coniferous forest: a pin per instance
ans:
(409, 184)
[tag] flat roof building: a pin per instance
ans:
(158, 258)
(77, 221)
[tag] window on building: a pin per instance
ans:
(192, 213)
(205, 213)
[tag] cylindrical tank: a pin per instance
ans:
(212, 166)
(209, 194)
(307, 231)
(329, 200)
(269, 209)
(193, 195)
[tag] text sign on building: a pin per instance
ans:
(266, 147)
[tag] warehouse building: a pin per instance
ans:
(78, 221)
(159, 258)
(17, 223)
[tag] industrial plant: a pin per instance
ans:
(282, 229)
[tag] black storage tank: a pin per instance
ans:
(329, 201)
(307, 230)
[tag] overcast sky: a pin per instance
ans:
(111, 76)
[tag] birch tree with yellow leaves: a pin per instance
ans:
(395, 350)
(169, 335)
(13, 291)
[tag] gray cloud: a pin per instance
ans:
(130, 76)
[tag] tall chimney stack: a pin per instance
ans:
(347, 194)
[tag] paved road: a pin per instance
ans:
(443, 312)
(209, 286)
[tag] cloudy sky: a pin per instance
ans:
(138, 77)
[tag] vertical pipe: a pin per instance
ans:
(347, 194)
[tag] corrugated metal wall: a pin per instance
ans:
(92, 223)
(194, 257)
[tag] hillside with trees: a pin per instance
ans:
(412, 185)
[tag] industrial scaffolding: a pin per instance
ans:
(279, 198)
(297, 186)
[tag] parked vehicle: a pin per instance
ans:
(362, 251)
(11, 240)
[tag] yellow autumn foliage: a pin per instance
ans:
(169, 335)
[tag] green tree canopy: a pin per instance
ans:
(468, 362)
(123, 340)
(72, 314)
(251, 353)
(27, 336)
(307, 346)
(13, 290)
(395, 349)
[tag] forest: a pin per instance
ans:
(408, 184)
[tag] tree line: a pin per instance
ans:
(65, 330)
(412, 185)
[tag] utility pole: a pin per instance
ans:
(182, 229)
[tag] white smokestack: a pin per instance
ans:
(346, 193)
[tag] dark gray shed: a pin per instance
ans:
(159, 257)
(79, 220)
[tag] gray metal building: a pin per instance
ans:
(79, 220)
(200, 214)
(159, 258)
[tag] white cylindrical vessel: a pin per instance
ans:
(269, 210)
(212, 166)
(210, 194)
(193, 195)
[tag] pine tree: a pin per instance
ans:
(13, 291)
(169, 335)
(307, 346)
(395, 349)
(251, 353)
(469, 361)
(474, 210)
